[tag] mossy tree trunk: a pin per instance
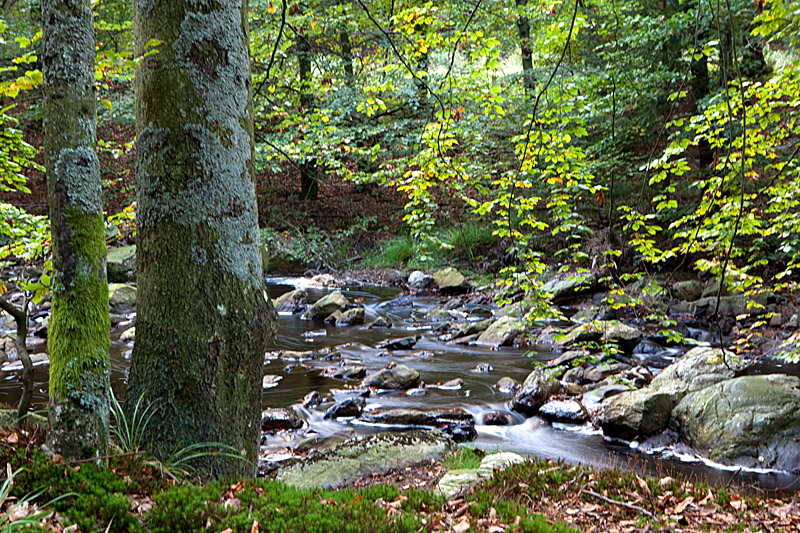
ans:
(524, 32)
(203, 316)
(78, 335)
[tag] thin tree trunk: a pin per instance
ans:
(524, 32)
(20, 317)
(78, 335)
(203, 316)
(309, 173)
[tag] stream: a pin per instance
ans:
(437, 361)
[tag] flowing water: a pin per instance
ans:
(437, 361)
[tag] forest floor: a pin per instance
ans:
(135, 493)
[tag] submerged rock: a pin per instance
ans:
(291, 302)
(535, 391)
(321, 309)
(507, 385)
(751, 421)
(278, 419)
(349, 460)
(394, 377)
(403, 343)
(351, 317)
(456, 423)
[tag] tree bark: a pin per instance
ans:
(524, 32)
(78, 335)
(203, 315)
(309, 173)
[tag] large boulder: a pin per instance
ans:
(455, 423)
(647, 411)
(567, 287)
(501, 332)
(393, 377)
(326, 305)
(750, 421)
(349, 460)
(283, 254)
(121, 297)
(280, 419)
(451, 281)
(351, 317)
(291, 302)
(729, 306)
(538, 387)
(420, 281)
(121, 264)
(605, 331)
(689, 291)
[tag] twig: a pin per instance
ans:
(636, 508)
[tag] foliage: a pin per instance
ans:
(277, 507)
(464, 457)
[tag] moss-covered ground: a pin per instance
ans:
(132, 493)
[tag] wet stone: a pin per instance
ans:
(507, 385)
(569, 411)
(312, 399)
(351, 407)
(497, 418)
(402, 343)
(455, 423)
(279, 419)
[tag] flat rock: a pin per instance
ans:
(456, 423)
(498, 461)
(397, 377)
(502, 332)
(121, 264)
(457, 480)
(353, 458)
(402, 343)
(569, 411)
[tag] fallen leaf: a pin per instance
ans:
(254, 529)
(462, 526)
(681, 507)
(643, 485)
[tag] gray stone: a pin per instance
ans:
(502, 332)
(121, 264)
(568, 286)
(451, 281)
(604, 370)
(456, 423)
(497, 418)
(605, 331)
(279, 419)
(507, 385)
(498, 461)
(394, 377)
(351, 317)
(750, 421)
(646, 411)
(419, 281)
(349, 460)
(381, 322)
(291, 302)
(574, 375)
(312, 399)
(321, 309)
(569, 411)
(535, 391)
(593, 313)
(350, 407)
(128, 335)
(690, 290)
(121, 297)
(455, 481)
(402, 343)
(729, 306)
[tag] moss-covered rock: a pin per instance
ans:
(451, 281)
(121, 264)
(752, 421)
(535, 391)
(394, 377)
(121, 297)
(354, 458)
(326, 305)
(502, 332)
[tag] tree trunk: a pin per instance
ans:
(78, 335)
(423, 64)
(203, 316)
(347, 58)
(309, 173)
(524, 31)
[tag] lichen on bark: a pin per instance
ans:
(197, 250)
(78, 335)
